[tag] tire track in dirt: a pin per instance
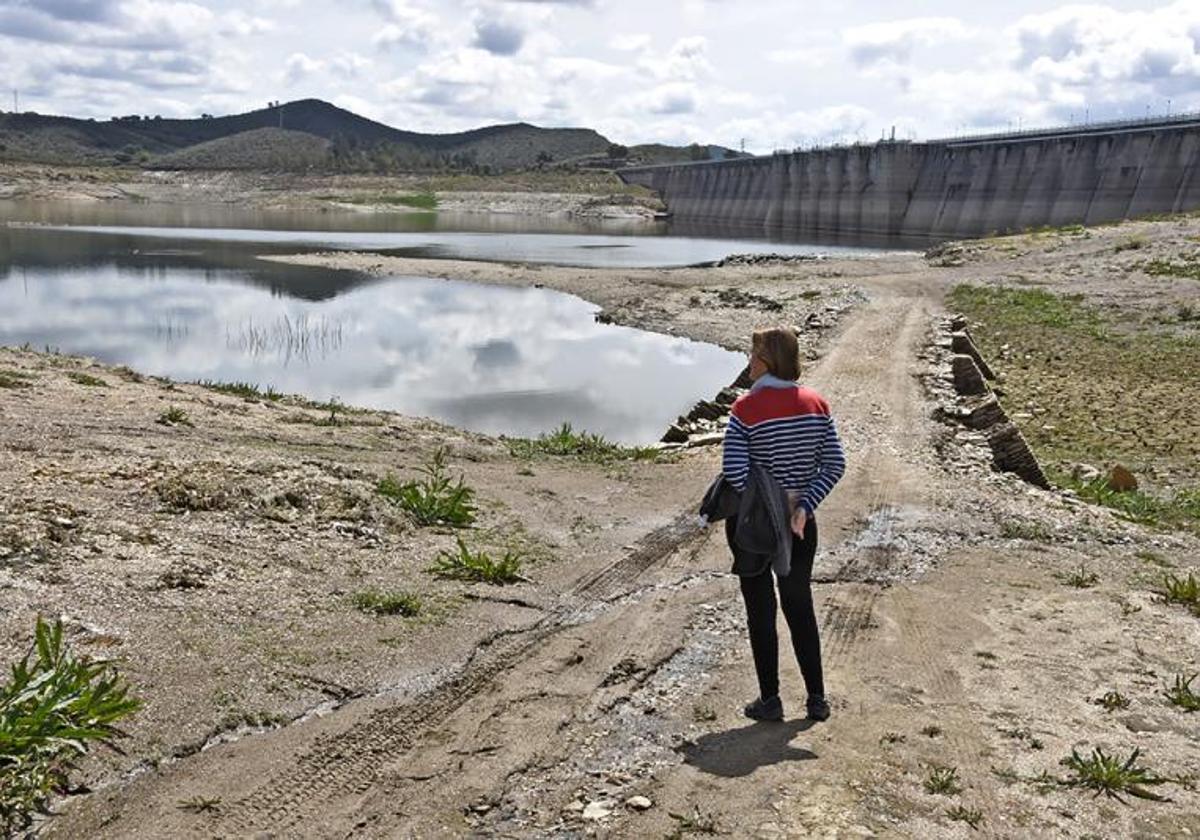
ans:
(350, 763)
(944, 691)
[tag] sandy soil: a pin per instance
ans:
(950, 636)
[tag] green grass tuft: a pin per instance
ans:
(1109, 775)
(1080, 578)
(245, 390)
(477, 566)
(971, 816)
(1187, 267)
(1182, 591)
(566, 442)
(1181, 694)
(86, 379)
(174, 416)
(15, 379)
(942, 780)
(377, 602)
(432, 499)
(418, 201)
(52, 709)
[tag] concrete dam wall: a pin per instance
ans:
(943, 189)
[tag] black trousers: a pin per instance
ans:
(795, 596)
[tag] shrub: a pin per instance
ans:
(51, 710)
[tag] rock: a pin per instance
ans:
(597, 810)
(1011, 453)
(639, 803)
(961, 342)
(968, 380)
(1121, 480)
(983, 414)
(1085, 473)
(675, 434)
(576, 805)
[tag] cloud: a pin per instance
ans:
(299, 66)
(498, 37)
(669, 99)
(408, 25)
(895, 41)
(88, 11)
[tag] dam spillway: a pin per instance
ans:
(950, 188)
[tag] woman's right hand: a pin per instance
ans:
(799, 520)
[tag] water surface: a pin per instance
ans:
(491, 359)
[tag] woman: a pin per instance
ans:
(786, 429)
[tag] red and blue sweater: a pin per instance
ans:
(787, 429)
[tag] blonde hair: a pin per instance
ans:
(779, 350)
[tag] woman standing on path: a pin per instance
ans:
(787, 430)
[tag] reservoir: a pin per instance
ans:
(195, 303)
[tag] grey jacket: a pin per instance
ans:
(762, 514)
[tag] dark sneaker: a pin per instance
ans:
(818, 708)
(769, 709)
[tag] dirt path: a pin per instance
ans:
(410, 765)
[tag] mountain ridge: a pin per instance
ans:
(354, 142)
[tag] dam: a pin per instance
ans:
(942, 189)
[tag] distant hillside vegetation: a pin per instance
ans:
(259, 148)
(302, 135)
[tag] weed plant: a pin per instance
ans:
(696, 822)
(1109, 775)
(477, 566)
(200, 804)
(14, 379)
(245, 390)
(174, 416)
(1080, 578)
(1187, 267)
(1181, 694)
(387, 603)
(566, 442)
(1182, 591)
(971, 816)
(943, 780)
(1181, 509)
(432, 499)
(86, 379)
(52, 709)
(1112, 701)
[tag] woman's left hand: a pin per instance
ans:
(799, 520)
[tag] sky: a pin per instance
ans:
(753, 74)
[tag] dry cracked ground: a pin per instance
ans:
(970, 622)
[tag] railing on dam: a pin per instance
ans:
(1104, 127)
(1046, 133)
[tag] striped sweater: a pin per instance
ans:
(787, 429)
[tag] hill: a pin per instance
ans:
(333, 139)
